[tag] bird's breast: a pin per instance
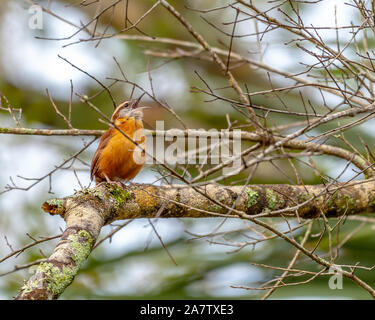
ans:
(121, 157)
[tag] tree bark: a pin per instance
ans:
(88, 210)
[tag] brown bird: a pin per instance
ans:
(117, 157)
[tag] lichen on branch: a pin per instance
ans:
(143, 201)
(88, 210)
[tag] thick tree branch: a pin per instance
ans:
(180, 201)
(87, 211)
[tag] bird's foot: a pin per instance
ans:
(115, 182)
(119, 184)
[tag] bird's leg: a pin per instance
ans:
(117, 183)
(120, 182)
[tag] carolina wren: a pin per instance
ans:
(117, 157)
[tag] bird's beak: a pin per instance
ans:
(143, 107)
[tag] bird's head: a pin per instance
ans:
(129, 109)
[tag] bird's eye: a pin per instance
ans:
(126, 105)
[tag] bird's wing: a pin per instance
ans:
(102, 144)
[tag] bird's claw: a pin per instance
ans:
(118, 184)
